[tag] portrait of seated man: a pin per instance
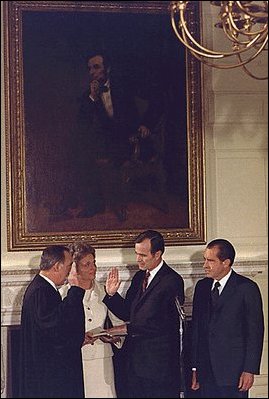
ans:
(117, 146)
(107, 119)
(109, 131)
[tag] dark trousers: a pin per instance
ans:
(145, 388)
(211, 390)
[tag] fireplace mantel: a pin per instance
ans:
(15, 281)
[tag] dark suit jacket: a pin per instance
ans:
(153, 332)
(231, 338)
(52, 332)
(100, 136)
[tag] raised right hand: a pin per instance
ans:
(112, 281)
(74, 279)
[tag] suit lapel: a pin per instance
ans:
(227, 291)
(141, 296)
(156, 280)
(207, 293)
(225, 296)
(138, 295)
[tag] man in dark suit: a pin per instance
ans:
(152, 320)
(52, 331)
(108, 118)
(228, 327)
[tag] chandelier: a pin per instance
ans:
(244, 24)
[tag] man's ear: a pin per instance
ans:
(158, 254)
(227, 263)
(56, 266)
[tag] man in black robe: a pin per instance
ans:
(52, 331)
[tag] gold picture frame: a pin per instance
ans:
(43, 46)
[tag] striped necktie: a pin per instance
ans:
(145, 281)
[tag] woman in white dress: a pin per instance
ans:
(97, 355)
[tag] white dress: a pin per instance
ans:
(97, 360)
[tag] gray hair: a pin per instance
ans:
(52, 255)
(80, 249)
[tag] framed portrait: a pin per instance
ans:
(101, 157)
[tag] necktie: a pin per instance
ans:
(145, 281)
(215, 293)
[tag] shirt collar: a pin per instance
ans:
(222, 281)
(154, 271)
(107, 84)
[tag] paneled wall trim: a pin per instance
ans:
(14, 283)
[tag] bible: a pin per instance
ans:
(100, 332)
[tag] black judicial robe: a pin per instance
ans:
(52, 332)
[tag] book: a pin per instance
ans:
(100, 332)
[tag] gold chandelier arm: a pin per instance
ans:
(227, 18)
(259, 38)
(184, 29)
(228, 15)
(186, 43)
(231, 66)
(186, 36)
(250, 73)
(244, 24)
(243, 31)
(258, 32)
(258, 14)
(232, 33)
